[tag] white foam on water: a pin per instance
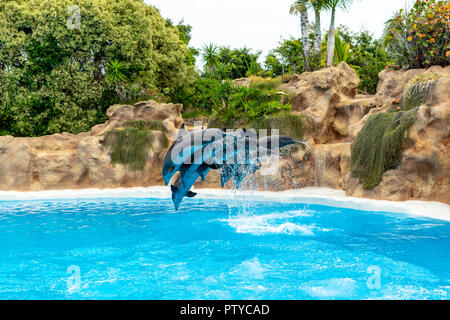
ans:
(251, 269)
(330, 288)
(319, 196)
(269, 223)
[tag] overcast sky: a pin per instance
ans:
(259, 24)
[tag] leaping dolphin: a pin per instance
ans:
(195, 153)
(184, 147)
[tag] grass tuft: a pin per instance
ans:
(378, 146)
(129, 146)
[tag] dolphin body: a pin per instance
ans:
(206, 157)
(190, 172)
(183, 149)
(182, 189)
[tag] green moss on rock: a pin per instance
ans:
(129, 146)
(378, 146)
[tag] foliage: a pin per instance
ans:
(131, 93)
(289, 124)
(129, 146)
(378, 146)
(185, 34)
(424, 77)
(286, 58)
(418, 38)
(367, 57)
(52, 75)
(265, 83)
(197, 96)
(115, 72)
(226, 63)
(416, 95)
(342, 51)
(210, 54)
(231, 102)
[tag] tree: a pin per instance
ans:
(317, 6)
(53, 72)
(368, 56)
(291, 50)
(333, 5)
(300, 7)
(184, 32)
(273, 65)
(210, 54)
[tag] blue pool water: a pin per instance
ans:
(217, 249)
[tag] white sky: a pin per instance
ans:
(259, 24)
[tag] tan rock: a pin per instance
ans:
(316, 94)
(67, 161)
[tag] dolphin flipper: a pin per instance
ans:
(190, 194)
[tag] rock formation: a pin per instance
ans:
(334, 114)
(68, 161)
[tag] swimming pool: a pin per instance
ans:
(213, 248)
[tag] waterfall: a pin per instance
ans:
(320, 166)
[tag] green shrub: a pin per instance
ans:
(416, 95)
(418, 38)
(129, 146)
(52, 77)
(196, 96)
(288, 124)
(378, 146)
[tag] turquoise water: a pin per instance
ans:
(217, 249)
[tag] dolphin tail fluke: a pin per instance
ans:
(190, 194)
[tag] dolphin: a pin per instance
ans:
(184, 147)
(182, 189)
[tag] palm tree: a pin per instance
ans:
(115, 71)
(300, 7)
(317, 6)
(211, 57)
(342, 50)
(333, 5)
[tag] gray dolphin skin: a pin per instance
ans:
(237, 154)
(184, 147)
